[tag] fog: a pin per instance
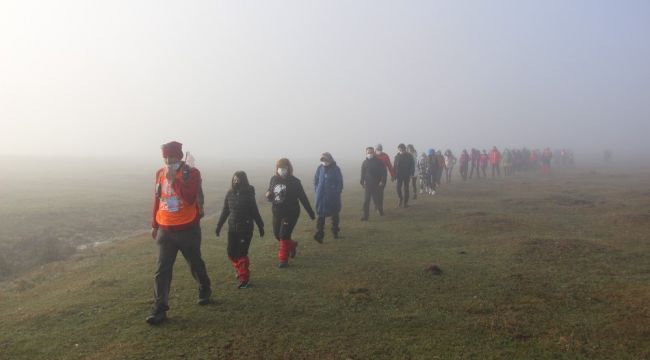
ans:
(264, 79)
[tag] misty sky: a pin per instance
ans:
(273, 78)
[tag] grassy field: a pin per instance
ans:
(532, 268)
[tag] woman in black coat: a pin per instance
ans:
(285, 191)
(241, 207)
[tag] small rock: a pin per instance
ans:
(433, 269)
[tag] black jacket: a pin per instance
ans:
(242, 209)
(285, 194)
(404, 165)
(373, 171)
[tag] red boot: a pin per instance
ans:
(283, 253)
(243, 271)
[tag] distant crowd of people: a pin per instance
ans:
(178, 203)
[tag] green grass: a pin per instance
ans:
(543, 268)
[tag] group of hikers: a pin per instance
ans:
(476, 162)
(178, 209)
(178, 205)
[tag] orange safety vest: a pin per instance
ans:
(173, 210)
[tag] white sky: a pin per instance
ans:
(292, 78)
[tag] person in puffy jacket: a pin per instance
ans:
(328, 184)
(285, 192)
(240, 209)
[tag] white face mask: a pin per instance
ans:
(370, 156)
(283, 172)
(378, 152)
(324, 163)
(173, 167)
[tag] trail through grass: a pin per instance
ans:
(544, 268)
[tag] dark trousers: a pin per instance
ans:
(283, 224)
(463, 171)
(188, 242)
(414, 184)
(432, 181)
(495, 168)
(238, 243)
(375, 193)
(320, 223)
(379, 202)
(403, 183)
(472, 169)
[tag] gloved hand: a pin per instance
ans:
(261, 232)
(218, 231)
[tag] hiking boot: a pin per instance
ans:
(365, 218)
(319, 236)
(283, 265)
(381, 212)
(399, 203)
(204, 296)
(335, 234)
(243, 284)
(156, 317)
(292, 253)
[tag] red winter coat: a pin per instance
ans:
(495, 157)
(386, 160)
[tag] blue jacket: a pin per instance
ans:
(328, 182)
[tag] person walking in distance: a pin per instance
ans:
(240, 209)
(373, 179)
(414, 178)
(463, 161)
(328, 183)
(176, 227)
(404, 170)
(506, 162)
(483, 161)
(450, 161)
(423, 173)
(432, 159)
(385, 159)
(442, 167)
(284, 192)
(495, 161)
(475, 159)
(547, 155)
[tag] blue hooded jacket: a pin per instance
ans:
(328, 182)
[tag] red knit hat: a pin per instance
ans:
(172, 149)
